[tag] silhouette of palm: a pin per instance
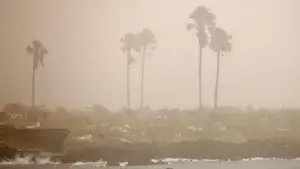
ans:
(38, 51)
(146, 38)
(203, 21)
(129, 42)
(220, 43)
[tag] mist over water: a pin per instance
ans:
(26, 160)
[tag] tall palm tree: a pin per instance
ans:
(129, 42)
(220, 43)
(203, 20)
(146, 38)
(37, 49)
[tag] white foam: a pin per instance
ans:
(123, 164)
(125, 141)
(99, 163)
(185, 160)
(85, 137)
(28, 160)
(154, 161)
(36, 125)
(173, 160)
(193, 128)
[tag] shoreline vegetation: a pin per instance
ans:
(142, 135)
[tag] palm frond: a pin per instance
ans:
(202, 38)
(39, 52)
(41, 59)
(220, 41)
(199, 12)
(29, 49)
(146, 37)
(204, 21)
(130, 41)
(44, 50)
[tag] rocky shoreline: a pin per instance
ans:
(139, 137)
(142, 153)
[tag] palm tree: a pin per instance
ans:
(129, 42)
(38, 51)
(220, 43)
(203, 20)
(146, 38)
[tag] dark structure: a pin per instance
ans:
(35, 140)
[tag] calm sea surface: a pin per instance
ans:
(251, 164)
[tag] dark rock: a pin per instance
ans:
(30, 140)
(6, 152)
(142, 153)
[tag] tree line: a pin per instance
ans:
(203, 25)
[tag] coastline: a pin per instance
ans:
(139, 137)
(143, 153)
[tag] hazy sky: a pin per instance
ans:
(85, 65)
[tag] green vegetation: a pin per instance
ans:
(168, 125)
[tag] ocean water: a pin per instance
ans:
(256, 163)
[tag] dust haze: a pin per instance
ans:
(85, 64)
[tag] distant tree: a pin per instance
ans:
(220, 43)
(15, 109)
(38, 51)
(146, 38)
(61, 110)
(129, 42)
(203, 20)
(97, 108)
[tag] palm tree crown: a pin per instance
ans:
(220, 41)
(203, 20)
(146, 37)
(130, 41)
(39, 51)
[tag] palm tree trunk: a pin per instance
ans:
(142, 78)
(217, 81)
(33, 86)
(200, 77)
(128, 81)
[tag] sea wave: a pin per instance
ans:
(186, 160)
(28, 160)
(99, 163)
(178, 160)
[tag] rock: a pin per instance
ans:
(143, 153)
(6, 152)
